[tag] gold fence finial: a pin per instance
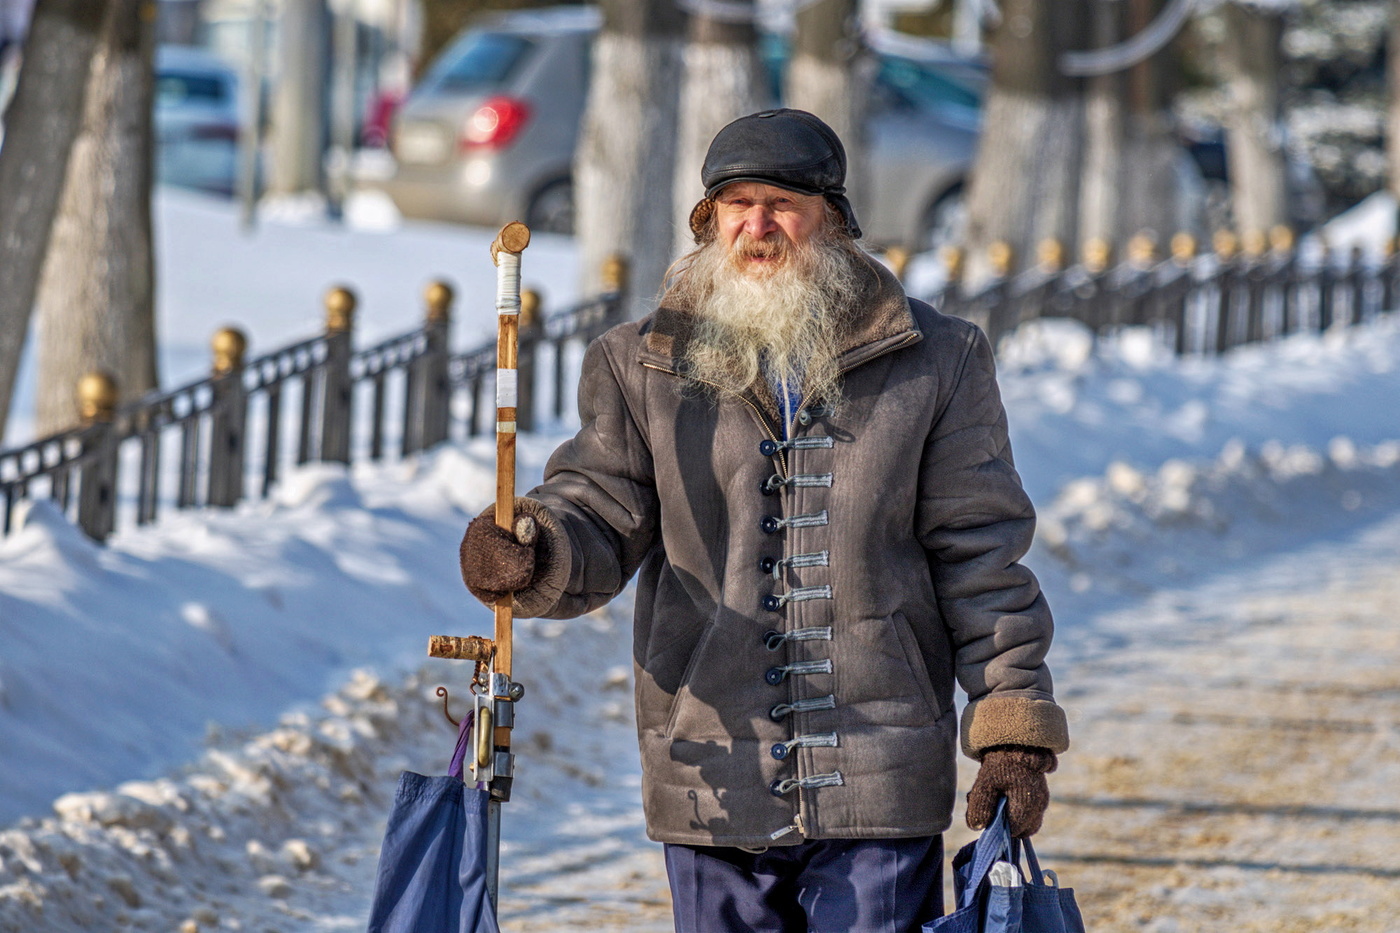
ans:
(229, 346)
(1142, 249)
(97, 397)
(1050, 253)
(615, 273)
(529, 307)
(340, 310)
(1183, 247)
(1098, 253)
(1225, 244)
(1001, 255)
(438, 297)
(953, 259)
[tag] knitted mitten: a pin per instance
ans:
(496, 562)
(1016, 772)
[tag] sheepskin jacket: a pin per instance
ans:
(805, 605)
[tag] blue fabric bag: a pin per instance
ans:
(984, 907)
(432, 867)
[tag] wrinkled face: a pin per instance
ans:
(761, 223)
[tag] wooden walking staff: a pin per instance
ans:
(491, 759)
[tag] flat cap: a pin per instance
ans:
(790, 149)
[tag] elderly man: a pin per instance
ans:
(810, 475)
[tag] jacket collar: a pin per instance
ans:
(887, 324)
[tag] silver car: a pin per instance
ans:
(488, 135)
(196, 116)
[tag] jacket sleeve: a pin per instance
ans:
(597, 508)
(976, 522)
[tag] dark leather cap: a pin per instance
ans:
(790, 149)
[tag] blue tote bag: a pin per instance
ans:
(986, 905)
(432, 867)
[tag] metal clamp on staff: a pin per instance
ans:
(496, 693)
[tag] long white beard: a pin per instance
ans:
(785, 324)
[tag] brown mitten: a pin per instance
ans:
(496, 562)
(1016, 772)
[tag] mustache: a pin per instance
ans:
(774, 246)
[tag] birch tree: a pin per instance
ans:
(829, 75)
(625, 162)
(1026, 184)
(1251, 60)
(300, 98)
(41, 122)
(1392, 114)
(96, 294)
(1131, 178)
(721, 80)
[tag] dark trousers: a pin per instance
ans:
(823, 886)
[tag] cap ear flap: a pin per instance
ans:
(702, 222)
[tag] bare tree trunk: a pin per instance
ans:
(299, 103)
(721, 81)
(1026, 184)
(828, 76)
(1153, 198)
(1392, 115)
(1100, 183)
(1251, 61)
(625, 162)
(96, 295)
(41, 122)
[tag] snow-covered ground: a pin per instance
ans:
(201, 724)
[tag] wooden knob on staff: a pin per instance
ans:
(452, 647)
(513, 238)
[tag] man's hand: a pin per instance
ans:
(1016, 772)
(496, 562)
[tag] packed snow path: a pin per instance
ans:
(1218, 540)
(1235, 767)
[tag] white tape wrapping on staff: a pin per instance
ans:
(507, 283)
(507, 388)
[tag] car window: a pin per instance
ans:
(919, 87)
(478, 60)
(174, 88)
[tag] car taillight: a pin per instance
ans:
(495, 123)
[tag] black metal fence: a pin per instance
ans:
(231, 436)
(1205, 303)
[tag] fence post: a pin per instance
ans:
(1096, 258)
(97, 497)
(951, 300)
(337, 389)
(227, 447)
(1001, 304)
(1183, 247)
(1141, 305)
(1285, 266)
(437, 385)
(616, 272)
(1256, 271)
(1225, 244)
(530, 329)
(1390, 275)
(1326, 290)
(1356, 286)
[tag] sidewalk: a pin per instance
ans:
(1244, 775)
(1235, 763)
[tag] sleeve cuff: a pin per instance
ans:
(1013, 720)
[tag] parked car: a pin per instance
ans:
(488, 135)
(197, 120)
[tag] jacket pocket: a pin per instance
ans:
(914, 662)
(683, 688)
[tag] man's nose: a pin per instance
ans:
(759, 222)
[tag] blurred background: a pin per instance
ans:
(969, 123)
